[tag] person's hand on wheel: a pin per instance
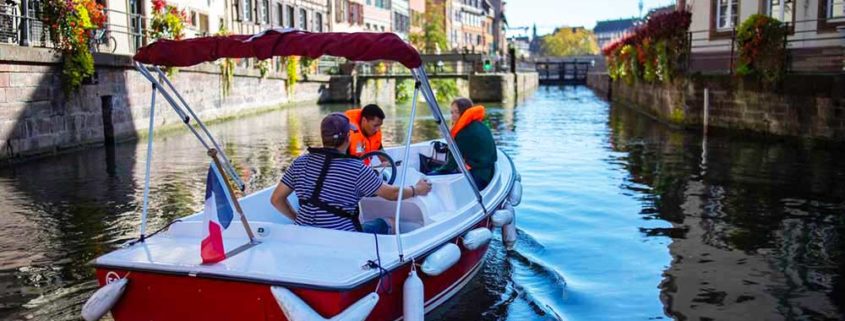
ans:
(422, 187)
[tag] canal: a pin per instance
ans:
(622, 218)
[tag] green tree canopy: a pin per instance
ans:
(568, 41)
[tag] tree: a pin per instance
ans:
(433, 35)
(568, 41)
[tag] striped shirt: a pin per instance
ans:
(348, 181)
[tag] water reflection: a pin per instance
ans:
(622, 218)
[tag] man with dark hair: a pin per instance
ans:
(365, 135)
(331, 199)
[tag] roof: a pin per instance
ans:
(358, 46)
(615, 25)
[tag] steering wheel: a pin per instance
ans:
(380, 169)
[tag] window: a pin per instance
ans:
(726, 12)
(835, 9)
(247, 10)
(280, 12)
(781, 10)
(264, 12)
(289, 16)
(303, 19)
(203, 24)
(318, 22)
(341, 9)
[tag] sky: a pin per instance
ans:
(548, 14)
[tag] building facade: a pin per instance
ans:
(401, 13)
(815, 31)
(417, 14)
(348, 15)
(377, 16)
(607, 31)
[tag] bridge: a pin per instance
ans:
(564, 71)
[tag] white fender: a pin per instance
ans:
(477, 238)
(509, 234)
(503, 216)
(515, 197)
(102, 301)
(297, 310)
(442, 259)
(413, 301)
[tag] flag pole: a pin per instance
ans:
(213, 154)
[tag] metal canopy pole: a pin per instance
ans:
(404, 174)
(420, 75)
(186, 119)
(146, 203)
(204, 129)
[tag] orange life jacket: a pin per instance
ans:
(474, 113)
(360, 144)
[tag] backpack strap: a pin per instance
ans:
(315, 200)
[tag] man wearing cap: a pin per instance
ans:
(329, 184)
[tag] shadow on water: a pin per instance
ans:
(758, 226)
(61, 212)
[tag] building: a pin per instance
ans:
(815, 32)
(522, 46)
(417, 13)
(499, 28)
(607, 31)
(473, 18)
(401, 18)
(378, 16)
(348, 15)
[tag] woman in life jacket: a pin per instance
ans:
(474, 140)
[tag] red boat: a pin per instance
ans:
(277, 270)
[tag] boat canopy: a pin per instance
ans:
(358, 46)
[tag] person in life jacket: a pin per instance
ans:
(365, 134)
(474, 140)
(329, 184)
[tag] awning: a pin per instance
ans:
(358, 46)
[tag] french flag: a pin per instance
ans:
(218, 216)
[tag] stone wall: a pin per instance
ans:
(809, 106)
(36, 117)
(502, 87)
(600, 82)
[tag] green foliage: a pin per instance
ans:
(445, 89)
(291, 70)
(762, 50)
(70, 24)
(570, 42)
(77, 66)
(227, 67)
(433, 36)
(307, 65)
(167, 22)
(263, 67)
(404, 90)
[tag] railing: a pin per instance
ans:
(124, 33)
(717, 51)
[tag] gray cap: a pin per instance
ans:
(335, 125)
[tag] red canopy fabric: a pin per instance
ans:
(360, 46)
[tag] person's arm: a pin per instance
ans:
(391, 193)
(279, 199)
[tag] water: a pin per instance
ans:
(622, 218)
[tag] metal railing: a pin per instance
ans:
(717, 51)
(123, 33)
